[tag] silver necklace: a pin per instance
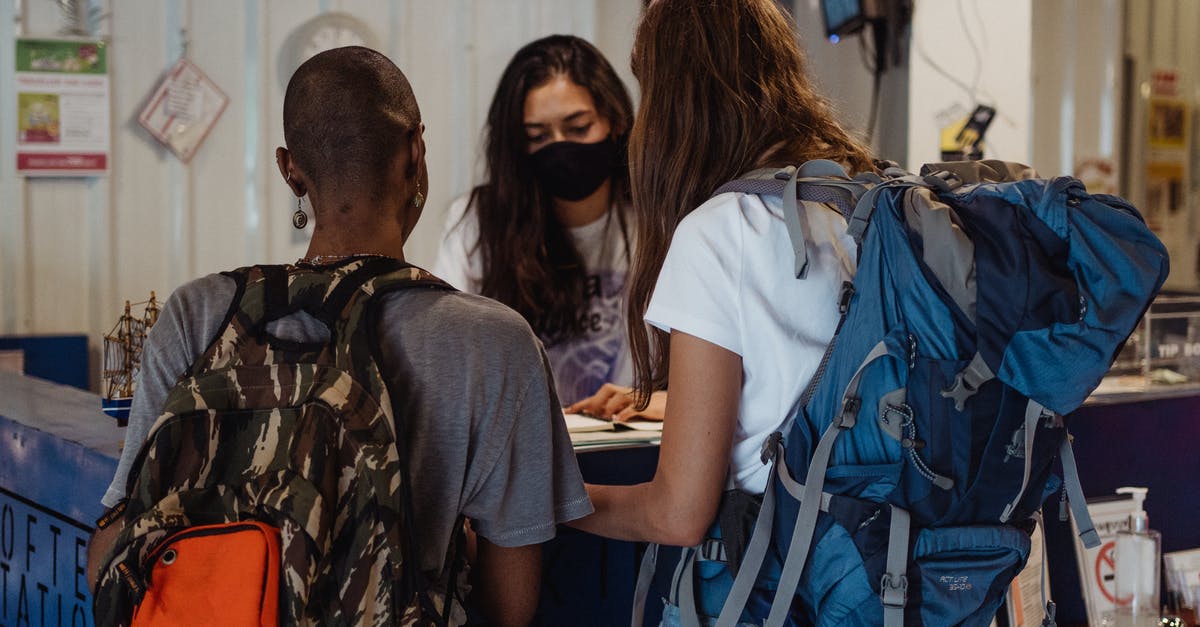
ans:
(317, 260)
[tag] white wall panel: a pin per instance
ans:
(1077, 84)
(14, 295)
(217, 200)
(72, 250)
(964, 53)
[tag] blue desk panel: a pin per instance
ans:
(57, 455)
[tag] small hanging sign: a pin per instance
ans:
(183, 109)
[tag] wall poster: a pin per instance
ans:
(62, 107)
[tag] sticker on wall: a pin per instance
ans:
(62, 104)
(183, 109)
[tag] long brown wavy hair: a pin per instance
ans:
(724, 91)
(530, 262)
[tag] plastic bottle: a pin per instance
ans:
(1136, 559)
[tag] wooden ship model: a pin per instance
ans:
(123, 357)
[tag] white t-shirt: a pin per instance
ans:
(601, 354)
(729, 279)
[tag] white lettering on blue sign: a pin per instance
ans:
(42, 582)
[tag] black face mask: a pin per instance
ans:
(573, 171)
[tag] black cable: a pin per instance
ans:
(881, 33)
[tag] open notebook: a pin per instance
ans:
(589, 431)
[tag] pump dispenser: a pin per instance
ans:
(1136, 558)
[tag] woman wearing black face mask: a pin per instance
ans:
(546, 233)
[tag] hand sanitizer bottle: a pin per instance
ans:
(1136, 560)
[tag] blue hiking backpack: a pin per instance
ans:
(987, 304)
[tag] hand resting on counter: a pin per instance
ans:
(615, 402)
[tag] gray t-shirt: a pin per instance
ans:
(486, 433)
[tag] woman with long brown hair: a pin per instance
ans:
(545, 233)
(731, 332)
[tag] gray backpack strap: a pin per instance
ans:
(893, 590)
(806, 519)
(795, 219)
(760, 541)
(1034, 411)
(756, 551)
(1079, 510)
(642, 589)
(686, 597)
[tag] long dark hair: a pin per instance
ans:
(530, 262)
(724, 91)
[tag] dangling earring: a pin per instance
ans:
(299, 219)
(419, 198)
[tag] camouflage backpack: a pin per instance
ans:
(300, 436)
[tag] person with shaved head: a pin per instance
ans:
(474, 405)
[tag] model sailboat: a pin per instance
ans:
(123, 357)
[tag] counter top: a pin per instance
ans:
(1135, 389)
(57, 448)
(69, 413)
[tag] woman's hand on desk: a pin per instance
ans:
(615, 402)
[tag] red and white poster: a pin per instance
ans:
(1096, 572)
(183, 109)
(62, 107)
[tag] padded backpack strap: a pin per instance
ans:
(331, 309)
(275, 291)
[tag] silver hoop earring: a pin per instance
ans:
(299, 219)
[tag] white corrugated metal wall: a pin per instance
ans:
(73, 249)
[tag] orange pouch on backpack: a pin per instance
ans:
(225, 574)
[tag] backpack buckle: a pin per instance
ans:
(967, 382)
(849, 415)
(894, 592)
(770, 447)
(845, 296)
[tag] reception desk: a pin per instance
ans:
(58, 453)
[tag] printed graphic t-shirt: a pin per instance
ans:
(601, 354)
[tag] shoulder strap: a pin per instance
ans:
(269, 292)
(383, 274)
(818, 181)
